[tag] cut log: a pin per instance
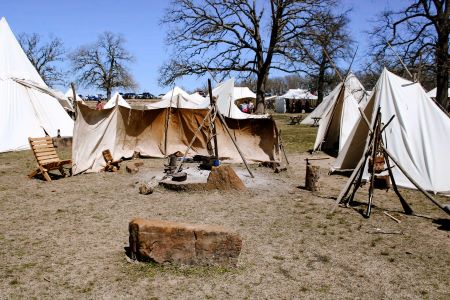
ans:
(312, 178)
(132, 169)
(145, 189)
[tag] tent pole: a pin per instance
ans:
(214, 107)
(74, 95)
(166, 127)
(192, 140)
(234, 142)
(282, 147)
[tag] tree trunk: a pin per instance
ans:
(321, 81)
(260, 93)
(108, 93)
(442, 69)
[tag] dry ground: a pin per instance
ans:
(66, 239)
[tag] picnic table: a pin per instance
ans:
(295, 120)
(316, 122)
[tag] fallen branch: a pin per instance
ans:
(392, 217)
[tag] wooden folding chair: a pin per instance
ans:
(111, 165)
(46, 157)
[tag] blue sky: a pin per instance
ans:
(80, 22)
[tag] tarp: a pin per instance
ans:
(116, 97)
(178, 98)
(29, 107)
(418, 137)
(352, 84)
(124, 131)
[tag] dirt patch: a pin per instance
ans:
(66, 238)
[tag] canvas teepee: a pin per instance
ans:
(339, 112)
(29, 107)
(356, 89)
(418, 137)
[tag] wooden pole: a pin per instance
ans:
(212, 102)
(446, 209)
(166, 126)
(192, 140)
(282, 147)
(234, 142)
(74, 101)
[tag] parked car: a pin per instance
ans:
(147, 95)
(129, 96)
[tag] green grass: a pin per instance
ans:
(296, 138)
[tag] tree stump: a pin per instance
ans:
(312, 178)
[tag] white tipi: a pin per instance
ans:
(418, 137)
(339, 112)
(116, 97)
(29, 107)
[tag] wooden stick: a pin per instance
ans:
(234, 142)
(392, 217)
(214, 132)
(74, 95)
(415, 183)
(166, 127)
(282, 147)
(192, 140)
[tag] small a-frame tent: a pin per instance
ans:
(29, 107)
(178, 98)
(356, 89)
(339, 114)
(418, 137)
(116, 97)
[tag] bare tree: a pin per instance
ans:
(419, 34)
(44, 56)
(330, 40)
(104, 64)
(248, 37)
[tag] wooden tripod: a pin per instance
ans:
(374, 146)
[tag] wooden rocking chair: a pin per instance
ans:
(46, 157)
(111, 165)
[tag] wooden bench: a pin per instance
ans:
(295, 120)
(46, 157)
(111, 165)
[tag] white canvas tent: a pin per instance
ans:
(339, 115)
(116, 97)
(178, 98)
(352, 84)
(240, 93)
(224, 92)
(299, 94)
(29, 107)
(418, 137)
(69, 95)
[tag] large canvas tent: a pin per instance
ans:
(29, 107)
(339, 114)
(116, 97)
(178, 98)
(418, 137)
(124, 131)
(432, 93)
(243, 93)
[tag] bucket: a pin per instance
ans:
(216, 163)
